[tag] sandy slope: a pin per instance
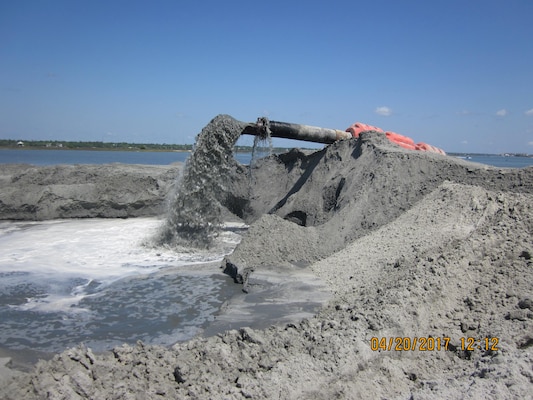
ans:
(84, 191)
(411, 245)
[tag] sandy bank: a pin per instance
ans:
(410, 244)
(84, 191)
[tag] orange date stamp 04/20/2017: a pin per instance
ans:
(430, 343)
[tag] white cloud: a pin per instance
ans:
(529, 112)
(530, 143)
(384, 111)
(464, 142)
(502, 113)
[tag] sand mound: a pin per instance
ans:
(331, 197)
(84, 191)
(410, 244)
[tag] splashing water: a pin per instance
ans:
(195, 213)
(262, 147)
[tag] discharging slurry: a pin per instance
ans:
(194, 215)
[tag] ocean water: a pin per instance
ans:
(500, 161)
(53, 157)
(95, 281)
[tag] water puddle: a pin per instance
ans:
(93, 281)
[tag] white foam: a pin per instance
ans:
(89, 250)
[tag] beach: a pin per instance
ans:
(426, 261)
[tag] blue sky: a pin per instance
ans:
(455, 74)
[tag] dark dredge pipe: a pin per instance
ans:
(264, 128)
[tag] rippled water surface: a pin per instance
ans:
(94, 281)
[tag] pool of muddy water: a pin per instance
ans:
(97, 282)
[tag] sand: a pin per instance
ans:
(408, 245)
(34, 193)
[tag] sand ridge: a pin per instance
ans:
(29, 192)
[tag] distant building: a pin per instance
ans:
(20, 144)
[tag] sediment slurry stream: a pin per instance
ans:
(409, 244)
(195, 210)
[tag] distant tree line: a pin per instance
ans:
(79, 145)
(122, 146)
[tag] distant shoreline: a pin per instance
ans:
(136, 149)
(490, 155)
(9, 144)
(241, 149)
(90, 145)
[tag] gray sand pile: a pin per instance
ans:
(84, 191)
(310, 206)
(410, 244)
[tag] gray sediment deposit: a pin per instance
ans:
(327, 199)
(409, 245)
(33, 193)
